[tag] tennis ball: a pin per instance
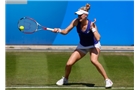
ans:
(21, 27)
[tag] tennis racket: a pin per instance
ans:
(28, 25)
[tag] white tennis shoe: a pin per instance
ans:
(108, 83)
(62, 81)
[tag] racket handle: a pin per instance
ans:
(53, 29)
(50, 29)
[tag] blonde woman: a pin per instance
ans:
(89, 42)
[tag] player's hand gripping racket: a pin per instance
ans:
(28, 25)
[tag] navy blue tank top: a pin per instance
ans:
(86, 37)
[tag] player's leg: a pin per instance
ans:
(94, 54)
(75, 56)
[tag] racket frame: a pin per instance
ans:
(37, 26)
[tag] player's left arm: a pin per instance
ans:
(95, 31)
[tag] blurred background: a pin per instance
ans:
(115, 21)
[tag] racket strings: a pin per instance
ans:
(27, 25)
(30, 26)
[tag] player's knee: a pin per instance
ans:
(69, 64)
(94, 61)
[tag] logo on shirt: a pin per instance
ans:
(88, 31)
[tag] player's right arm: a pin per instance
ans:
(68, 29)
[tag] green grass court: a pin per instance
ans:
(41, 70)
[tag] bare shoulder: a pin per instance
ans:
(75, 22)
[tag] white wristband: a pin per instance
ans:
(59, 30)
(93, 29)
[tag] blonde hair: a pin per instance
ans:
(86, 7)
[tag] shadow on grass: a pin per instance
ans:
(69, 84)
(80, 84)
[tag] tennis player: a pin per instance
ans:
(89, 42)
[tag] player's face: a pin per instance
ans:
(82, 17)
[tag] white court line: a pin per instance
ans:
(72, 87)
